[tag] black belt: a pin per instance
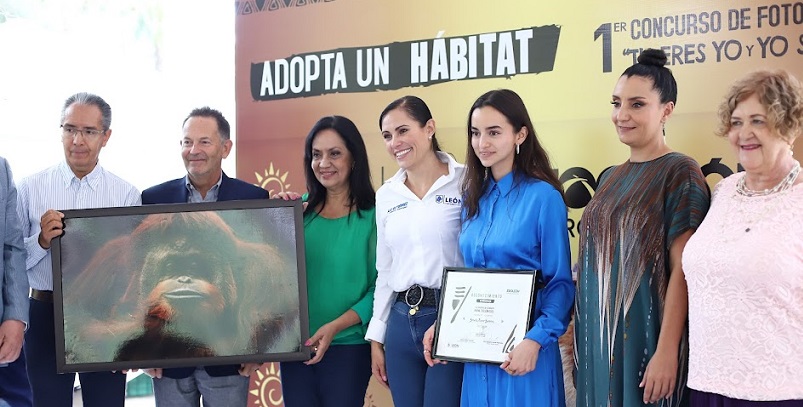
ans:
(417, 296)
(42, 295)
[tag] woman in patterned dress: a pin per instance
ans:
(631, 303)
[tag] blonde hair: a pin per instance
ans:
(778, 91)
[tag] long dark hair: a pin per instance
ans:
(361, 192)
(531, 161)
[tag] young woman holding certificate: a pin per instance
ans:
(514, 217)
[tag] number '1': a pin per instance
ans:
(605, 31)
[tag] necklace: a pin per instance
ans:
(785, 184)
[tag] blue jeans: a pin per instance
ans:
(412, 382)
(338, 380)
(217, 391)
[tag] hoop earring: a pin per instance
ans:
(517, 149)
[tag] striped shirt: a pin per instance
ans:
(58, 188)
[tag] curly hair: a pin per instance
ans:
(778, 91)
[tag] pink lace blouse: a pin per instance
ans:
(744, 269)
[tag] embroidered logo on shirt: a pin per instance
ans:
(447, 200)
(397, 207)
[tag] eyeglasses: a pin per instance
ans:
(70, 132)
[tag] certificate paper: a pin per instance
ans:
(483, 313)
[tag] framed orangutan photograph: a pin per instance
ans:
(176, 285)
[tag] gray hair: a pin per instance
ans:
(84, 98)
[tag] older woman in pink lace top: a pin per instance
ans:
(744, 266)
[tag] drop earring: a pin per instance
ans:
(517, 149)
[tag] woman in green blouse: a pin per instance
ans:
(340, 238)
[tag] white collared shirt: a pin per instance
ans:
(416, 238)
(58, 188)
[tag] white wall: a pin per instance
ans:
(50, 50)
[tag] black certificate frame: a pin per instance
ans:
(457, 303)
(244, 300)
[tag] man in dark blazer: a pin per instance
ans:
(206, 142)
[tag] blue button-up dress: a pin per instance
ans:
(521, 224)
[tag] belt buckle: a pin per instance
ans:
(414, 307)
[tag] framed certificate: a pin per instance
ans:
(483, 313)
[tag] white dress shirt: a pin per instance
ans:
(58, 188)
(416, 238)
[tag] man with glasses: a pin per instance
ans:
(204, 145)
(78, 182)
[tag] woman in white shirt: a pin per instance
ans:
(418, 220)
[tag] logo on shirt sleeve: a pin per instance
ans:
(447, 200)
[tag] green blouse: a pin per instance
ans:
(341, 271)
